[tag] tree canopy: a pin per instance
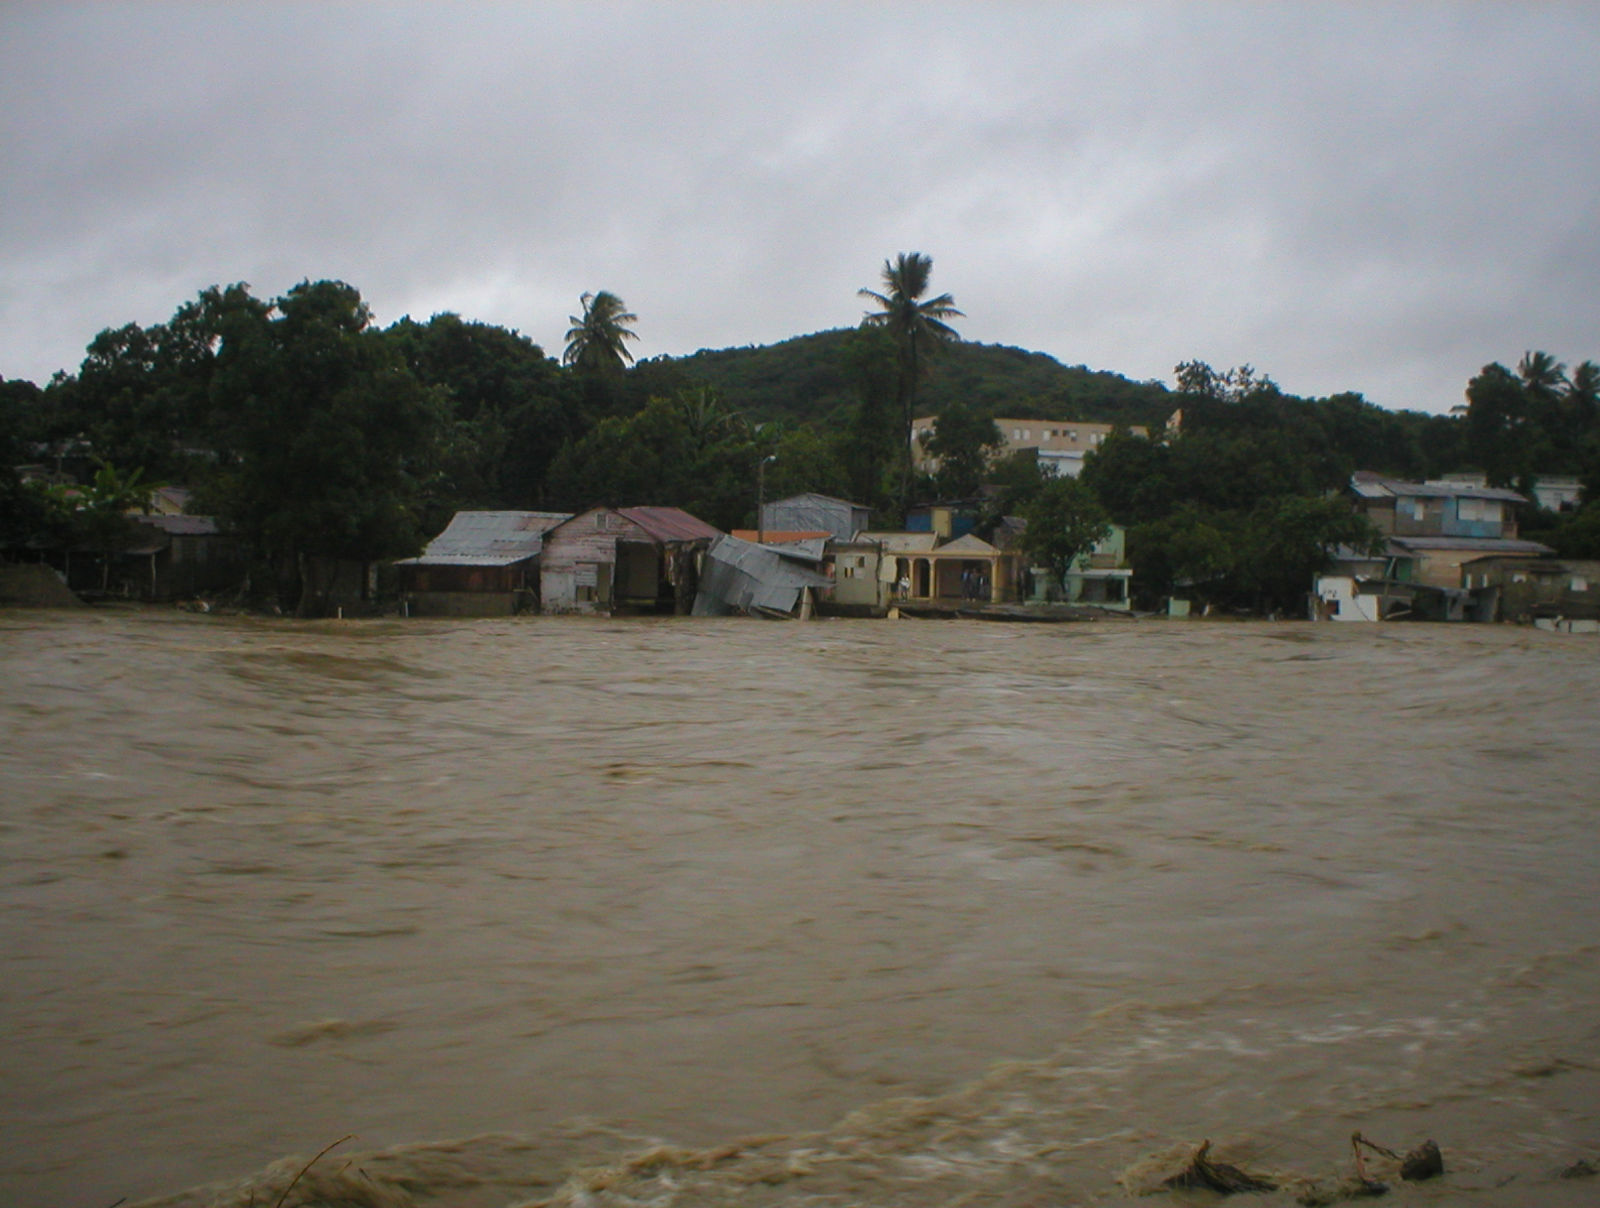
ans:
(1064, 519)
(964, 440)
(326, 440)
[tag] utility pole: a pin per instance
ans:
(761, 497)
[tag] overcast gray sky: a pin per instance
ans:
(1365, 197)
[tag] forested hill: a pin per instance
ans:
(810, 378)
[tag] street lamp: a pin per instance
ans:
(761, 497)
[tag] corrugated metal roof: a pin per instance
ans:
(180, 526)
(1484, 545)
(739, 576)
(670, 524)
(1371, 487)
(488, 539)
(818, 495)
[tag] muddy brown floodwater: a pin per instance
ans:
(940, 911)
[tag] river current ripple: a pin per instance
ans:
(559, 910)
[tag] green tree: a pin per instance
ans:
(870, 448)
(1132, 476)
(1578, 534)
(804, 460)
(327, 440)
(510, 409)
(102, 512)
(1064, 519)
(918, 326)
(26, 514)
(707, 418)
(1290, 540)
(1582, 401)
(658, 457)
(1188, 550)
(1197, 380)
(597, 341)
(963, 439)
(1498, 430)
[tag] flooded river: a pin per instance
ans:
(706, 912)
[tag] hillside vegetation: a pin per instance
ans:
(807, 379)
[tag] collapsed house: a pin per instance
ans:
(741, 576)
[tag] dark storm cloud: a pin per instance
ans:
(1350, 197)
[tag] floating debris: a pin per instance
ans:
(1353, 1188)
(1220, 1177)
(1423, 1162)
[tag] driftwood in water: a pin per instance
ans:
(1353, 1188)
(1423, 1162)
(1216, 1176)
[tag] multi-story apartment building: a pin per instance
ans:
(1061, 444)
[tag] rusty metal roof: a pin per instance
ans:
(670, 524)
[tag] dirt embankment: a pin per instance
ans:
(34, 586)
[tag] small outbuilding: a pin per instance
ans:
(811, 512)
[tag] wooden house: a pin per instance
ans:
(484, 564)
(1443, 525)
(608, 560)
(159, 557)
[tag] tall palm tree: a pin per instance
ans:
(597, 339)
(1542, 373)
(918, 327)
(1583, 395)
(1543, 380)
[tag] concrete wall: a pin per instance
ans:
(855, 578)
(1341, 601)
